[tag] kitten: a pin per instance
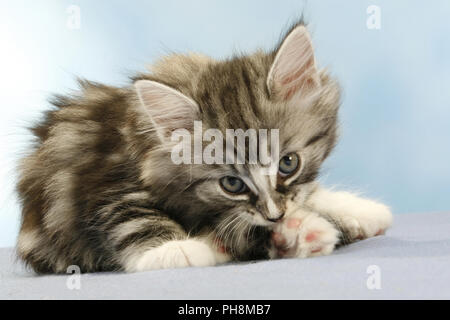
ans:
(100, 191)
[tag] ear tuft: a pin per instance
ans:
(294, 69)
(168, 108)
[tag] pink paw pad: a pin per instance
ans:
(220, 246)
(278, 239)
(316, 250)
(310, 237)
(380, 232)
(293, 223)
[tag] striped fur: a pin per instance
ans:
(98, 187)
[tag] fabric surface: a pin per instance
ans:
(411, 262)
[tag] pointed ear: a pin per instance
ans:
(168, 108)
(294, 68)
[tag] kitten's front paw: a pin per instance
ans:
(304, 234)
(368, 220)
(175, 254)
(358, 218)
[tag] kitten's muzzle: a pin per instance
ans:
(272, 211)
(276, 219)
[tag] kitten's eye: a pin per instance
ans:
(233, 185)
(289, 164)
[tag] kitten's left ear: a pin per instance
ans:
(294, 68)
(168, 108)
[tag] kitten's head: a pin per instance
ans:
(281, 90)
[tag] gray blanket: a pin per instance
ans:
(412, 261)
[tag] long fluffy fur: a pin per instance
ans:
(98, 185)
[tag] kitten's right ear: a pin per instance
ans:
(168, 108)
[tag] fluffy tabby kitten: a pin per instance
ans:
(100, 190)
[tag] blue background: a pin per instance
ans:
(396, 104)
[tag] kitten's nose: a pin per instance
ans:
(277, 218)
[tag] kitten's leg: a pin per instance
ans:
(303, 234)
(358, 218)
(145, 239)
